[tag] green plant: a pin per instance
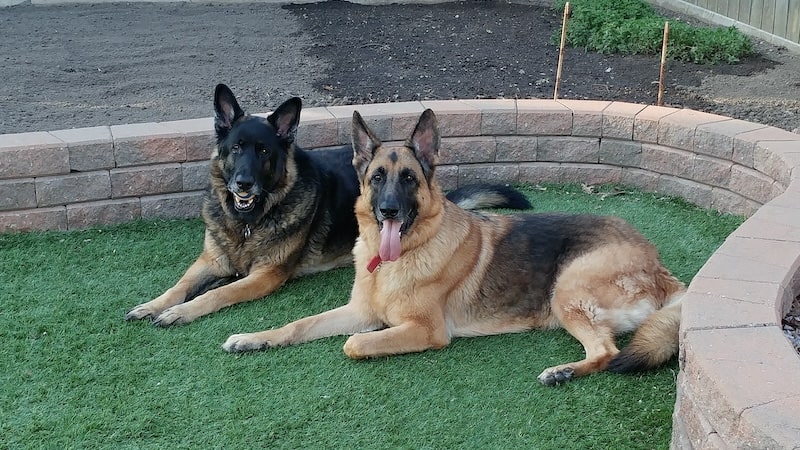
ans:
(633, 27)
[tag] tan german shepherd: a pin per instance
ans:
(428, 271)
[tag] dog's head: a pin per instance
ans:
(252, 152)
(395, 179)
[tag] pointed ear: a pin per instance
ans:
(226, 110)
(364, 144)
(425, 142)
(286, 118)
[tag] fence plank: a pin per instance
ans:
(781, 18)
(744, 10)
(793, 23)
(768, 16)
(755, 13)
(722, 7)
(733, 9)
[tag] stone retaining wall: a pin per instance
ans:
(739, 378)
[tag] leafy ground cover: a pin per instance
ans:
(633, 27)
(74, 374)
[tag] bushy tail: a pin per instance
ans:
(654, 343)
(482, 196)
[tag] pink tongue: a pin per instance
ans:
(390, 240)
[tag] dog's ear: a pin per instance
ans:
(425, 142)
(226, 110)
(364, 144)
(286, 118)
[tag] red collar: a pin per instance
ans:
(374, 264)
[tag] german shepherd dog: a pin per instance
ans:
(273, 212)
(428, 271)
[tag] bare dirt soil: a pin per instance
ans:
(70, 66)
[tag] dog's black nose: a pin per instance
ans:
(244, 183)
(389, 213)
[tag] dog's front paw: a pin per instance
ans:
(143, 311)
(245, 342)
(556, 375)
(355, 347)
(177, 315)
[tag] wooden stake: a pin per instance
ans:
(663, 64)
(561, 49)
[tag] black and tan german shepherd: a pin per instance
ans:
(428, 271)
(273, 212)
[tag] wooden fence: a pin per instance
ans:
(775, 21)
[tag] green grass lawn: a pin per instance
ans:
(74, 374)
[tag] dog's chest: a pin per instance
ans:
(241, 244)
(391, 294)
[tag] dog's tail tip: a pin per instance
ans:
(482, 196)
(628, 361)
(654, 343)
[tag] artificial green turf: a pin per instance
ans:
(74, 374)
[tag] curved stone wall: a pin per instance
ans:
(739, 378)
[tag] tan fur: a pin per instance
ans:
(433, 292)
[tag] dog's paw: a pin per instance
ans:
(356, 347)
(245, 342)
(143, 311)
(177, 315)
(556, 375)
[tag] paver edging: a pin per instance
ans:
(713, 161)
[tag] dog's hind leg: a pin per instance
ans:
(597, 339)
(256, 284)
(580, 305)
(607, 291)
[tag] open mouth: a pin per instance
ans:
(244, 201)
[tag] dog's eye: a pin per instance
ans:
(236, 147)
(377, 176)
